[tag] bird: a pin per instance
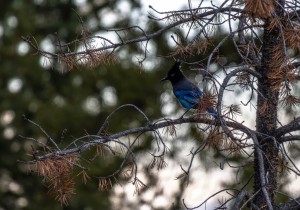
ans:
(187, 93)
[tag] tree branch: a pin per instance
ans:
(221, 94)
(135, 40)
(290, 205)
(100, 139)
(289, 138)
(290, 127)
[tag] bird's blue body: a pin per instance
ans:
(187, 93)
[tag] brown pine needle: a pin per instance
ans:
(105, 184)
(260, 8)
(206, 101)
(84, 175)
(57, 173)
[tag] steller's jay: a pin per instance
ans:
(185, 91)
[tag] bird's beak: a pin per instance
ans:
(164, 79)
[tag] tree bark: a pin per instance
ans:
(266, 118)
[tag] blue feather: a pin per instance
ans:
(188, 98)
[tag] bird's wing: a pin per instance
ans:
(188, 98)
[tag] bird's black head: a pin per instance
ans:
(174, 74)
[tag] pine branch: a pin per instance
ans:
(99, 140)
(146, 37)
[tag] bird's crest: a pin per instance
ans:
(174, 74)
(175, 68)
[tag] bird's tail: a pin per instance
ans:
(212, 112)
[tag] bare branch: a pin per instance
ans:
(43, 131)
(221, 94)
(291, 205)
(289, 138)
(290, 127)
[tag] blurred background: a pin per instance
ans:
(69, 104)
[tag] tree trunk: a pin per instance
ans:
(266, 118)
